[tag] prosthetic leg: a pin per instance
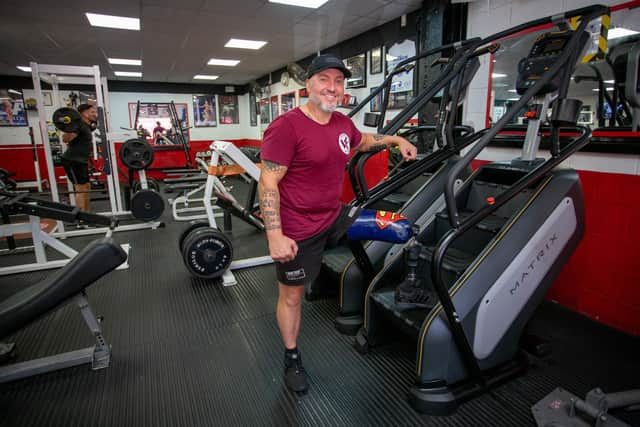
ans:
(394, 228)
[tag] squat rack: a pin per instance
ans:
(82, 75)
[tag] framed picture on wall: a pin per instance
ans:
(402, 84)
(376, 60)
(358, 67)
(376, 102)
(264, 111)
(228, 107)
(274, 107)
(12, 108)
(204, 111)
(287, 101)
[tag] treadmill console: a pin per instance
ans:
(545, 50)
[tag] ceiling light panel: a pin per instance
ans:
(111, 21)
(128, 73)
(312, 4)
(121, 61)
(223, 62)
(245, 44)
(205, 77)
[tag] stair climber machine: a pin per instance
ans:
(484, 264)
(353, 265)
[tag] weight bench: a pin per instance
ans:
(20, 309)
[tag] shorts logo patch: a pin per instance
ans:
(295, 274)
(344, 142)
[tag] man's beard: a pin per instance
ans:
(327, 108)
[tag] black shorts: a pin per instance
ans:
(306, 265)
(77, 172)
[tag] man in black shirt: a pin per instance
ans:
(76, 158)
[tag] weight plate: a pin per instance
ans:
(67, 119)
(151, 183)
(136, 154)
(147, 205)
(189, 229)
(207, 253)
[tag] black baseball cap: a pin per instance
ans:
(325, 61)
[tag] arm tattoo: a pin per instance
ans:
(366, 148)
(275, 168)
(373, 142)
(270, 207)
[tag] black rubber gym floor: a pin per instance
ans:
(188, 352)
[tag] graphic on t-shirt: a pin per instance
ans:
(344, 142)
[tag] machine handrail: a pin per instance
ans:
(451, 70)
(411, 172)
(562, 60)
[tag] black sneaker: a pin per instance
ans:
(414, 298)
(294, 375)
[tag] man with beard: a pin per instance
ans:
(304, 153)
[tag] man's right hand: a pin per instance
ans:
(282, 248)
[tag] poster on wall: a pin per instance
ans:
(253, 110)
(12, 109)
(402, 82)
(376, 60)
(264, 111)
(150, 113)
(274, 107)
(228, 107)
(204, 111)
(287, 101)
(358, 67)
(376, 102)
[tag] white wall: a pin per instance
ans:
(120, 115)
(119, 102)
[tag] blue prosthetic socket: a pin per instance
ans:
(381, 226)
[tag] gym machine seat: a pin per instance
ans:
(20, 309)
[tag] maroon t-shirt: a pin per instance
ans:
(315, 156)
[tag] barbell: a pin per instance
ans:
(67, 120)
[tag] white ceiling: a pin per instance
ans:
(178, 37)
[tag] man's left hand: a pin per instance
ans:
(407, 149)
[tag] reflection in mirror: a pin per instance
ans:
(600, 84)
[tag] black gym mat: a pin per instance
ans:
(190, 352)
